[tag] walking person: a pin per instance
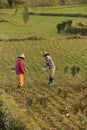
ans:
(50, 64)
(20, 70)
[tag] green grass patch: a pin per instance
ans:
(78, 9)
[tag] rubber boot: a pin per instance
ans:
(51, 81)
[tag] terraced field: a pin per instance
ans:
(66, 9)
(58, 112)
(37, 106)
(39, 26)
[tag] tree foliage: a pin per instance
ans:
(62, 2)
(25, 14)
(63, 25)
(14, 3)
(3, 4)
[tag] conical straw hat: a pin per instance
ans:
(21, 56)
(45, 53)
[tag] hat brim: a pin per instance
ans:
(46, 54)
(21, 57)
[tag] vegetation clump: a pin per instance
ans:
(63, 25)
(12, 117)
(77, 30)
(67, 26)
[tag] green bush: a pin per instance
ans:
(3, 4)
(59, 27)
(63, 25)
(69, 23)
(77, 30)
(80, 24)
(11, 115)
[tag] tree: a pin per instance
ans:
(62, 2)
(13, 3)
(23, 5)
(3, 4)
(10, 2)
(16, 4)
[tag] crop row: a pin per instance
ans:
(57, 106)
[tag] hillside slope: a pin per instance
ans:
(58, 107)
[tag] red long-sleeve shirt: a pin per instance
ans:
(20, 67)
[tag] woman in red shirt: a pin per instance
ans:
(20, 69)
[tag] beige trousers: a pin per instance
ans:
(52, 70)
